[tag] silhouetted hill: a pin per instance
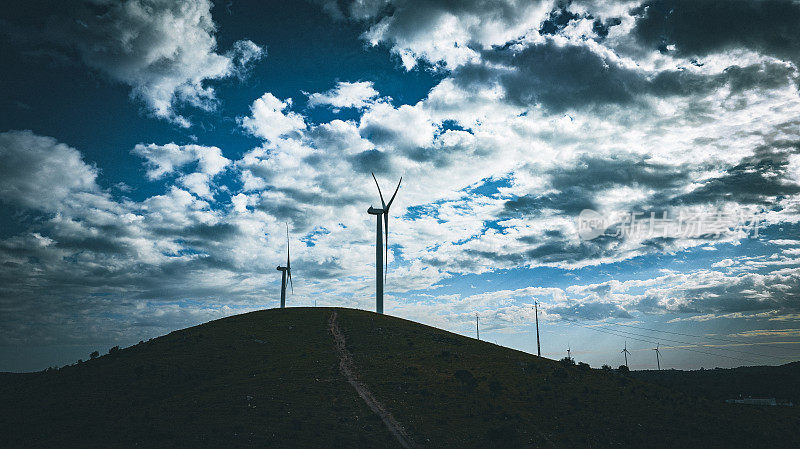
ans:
(781, 382)
(274, 378)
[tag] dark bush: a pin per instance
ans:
(567, 361)
(411, 371)
(584, 366)
(113, 350)
(94, 355)
(466, 378)
(623, 369)
(607, 368)
(495, 387)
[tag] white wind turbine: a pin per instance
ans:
(658, 355)
(287, 270)
(381, 245)
(626, 352)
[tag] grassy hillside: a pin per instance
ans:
(271, 379)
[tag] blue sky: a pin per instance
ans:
(153, 150)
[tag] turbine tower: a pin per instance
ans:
(287, 270)
(658, 354)
(538, 346)
(381, 245)
(569, 352)
(477, 328)
(626, 352)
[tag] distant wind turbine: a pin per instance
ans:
(658, 354)
(569, 352)
(626, 352)
(477, 328)
(287, 270)
(381, 248)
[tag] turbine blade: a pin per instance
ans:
(291, 284)
(395, 194)
(379, 191)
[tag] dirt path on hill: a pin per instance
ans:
(348, 371)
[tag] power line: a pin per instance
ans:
(691, 335)
(654, 342)
(705, 346)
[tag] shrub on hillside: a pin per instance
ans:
(495, 387)
(466, 378)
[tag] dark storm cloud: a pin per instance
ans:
(760, 179)
(371, 161)
(555, 249)
(561, 16)
(746, 293)
(590, 311)
(576, 185)
(569, 251)
(564, 77)
(325, 196)
(699, 28)
(558, 77)
(570, 200)
(285, 210)
(593, 173)
(204, 232)
(328, 269)
(558, 19)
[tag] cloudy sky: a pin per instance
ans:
(152, 150)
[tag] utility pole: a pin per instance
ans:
(477, 328)
(538, 346)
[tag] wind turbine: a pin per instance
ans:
(626, 352)
(477, 328)
(381, 248)
(569, 352)
(287, 270)
(658, 354)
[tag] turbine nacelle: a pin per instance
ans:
(373, 211)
